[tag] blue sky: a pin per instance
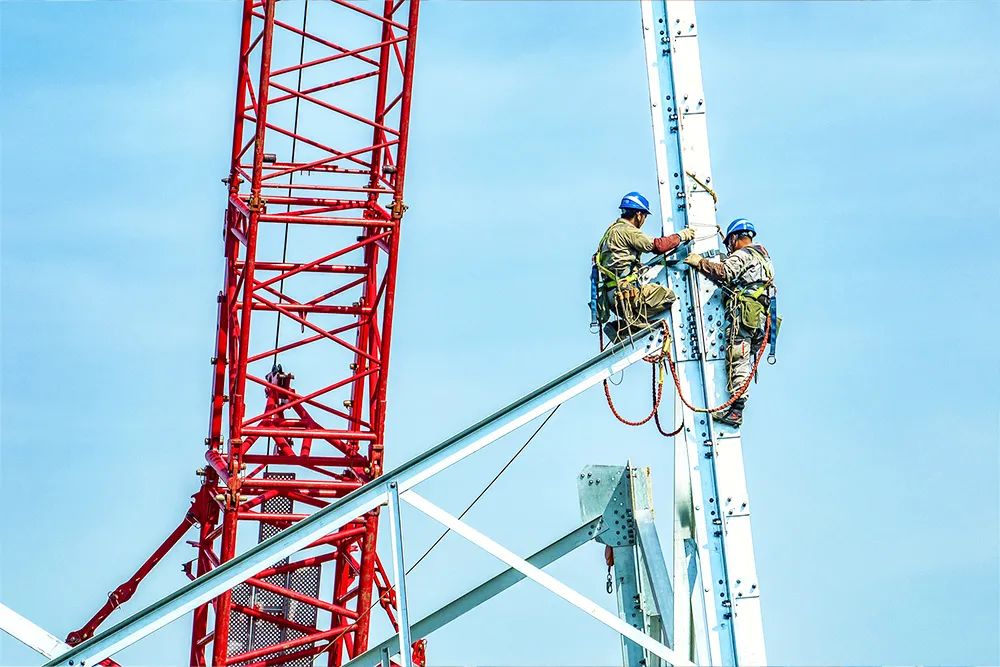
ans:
(860, 137)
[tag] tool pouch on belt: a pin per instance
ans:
(750, 311)
(628, 294)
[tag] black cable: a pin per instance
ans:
(656, 411)
(486, 488)
(295, 137)
(288, 208)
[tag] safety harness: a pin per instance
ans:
(603, 280)
(753, 304)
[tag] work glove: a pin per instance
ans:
(694, 259)
(686, 234)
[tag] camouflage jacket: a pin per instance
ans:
(747, 267)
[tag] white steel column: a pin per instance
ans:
(714, 507)
(683, 531)
(399, 570)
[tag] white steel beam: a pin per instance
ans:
(31, 635)
(373, 494)
(542, 578)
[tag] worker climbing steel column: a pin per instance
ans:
(618, 266)
(747, 277)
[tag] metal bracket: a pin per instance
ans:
(624, 497)
(604, 491)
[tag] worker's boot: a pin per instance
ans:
(733, 415)
(611, 330)
(617, 331)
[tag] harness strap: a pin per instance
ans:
(746, 299)
(754, 294)
(611, 278)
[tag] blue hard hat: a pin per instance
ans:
(634, 201)
(741, 225)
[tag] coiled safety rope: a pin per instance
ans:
(656, 361)
(736, 396)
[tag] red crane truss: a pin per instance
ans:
(311, 235)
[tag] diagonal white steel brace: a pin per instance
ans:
(373, 494)
(480, 594)
(31, 635)
(542, 578)
(655, 565)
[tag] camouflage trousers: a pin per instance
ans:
(740, 355)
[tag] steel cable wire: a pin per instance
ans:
(487, 487)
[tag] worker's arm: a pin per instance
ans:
(726, 271)
(659, 246)
(666, 244)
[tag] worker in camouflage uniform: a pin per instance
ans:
(619, 261)
(747, 278)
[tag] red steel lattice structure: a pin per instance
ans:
(311, 235)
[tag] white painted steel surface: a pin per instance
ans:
(542, 578)
(31, 635)
(712, 453)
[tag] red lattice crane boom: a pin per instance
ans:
(311, 235)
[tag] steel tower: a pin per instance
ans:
(300, 368)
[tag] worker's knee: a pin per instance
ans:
(738, 356)
(738, 353)
(657, 296)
